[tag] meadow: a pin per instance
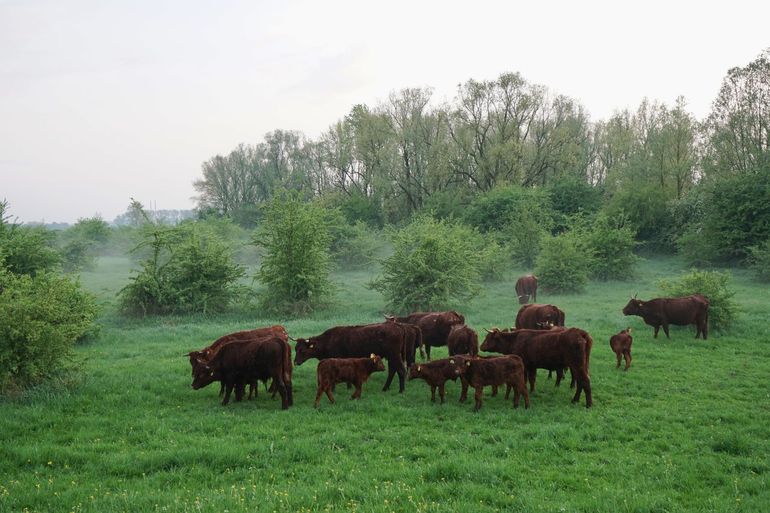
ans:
(685, 429)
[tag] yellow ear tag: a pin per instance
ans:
(311, 346)
(451, 361)
(372, 356)
(419, 367)
(467, 364)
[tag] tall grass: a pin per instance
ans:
(685, 429)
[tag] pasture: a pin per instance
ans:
(685, 429)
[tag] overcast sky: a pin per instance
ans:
(104, 100)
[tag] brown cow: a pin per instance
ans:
(435, 326)
(621, 344)
(681, 311)
(526, 287)
(535, 317)
(462, 340)
(412, 340)
(481, 372)
(498, 341)
(554, 350)
(206, 353)
(435, 374)
(353, 371)
(386, 339)
(240, 362)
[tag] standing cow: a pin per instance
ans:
(435, 326)
(680, 311)
(621, 345)
(496, 371)
(526, 288)
(386, 339)
(535, 317)
(462, 340)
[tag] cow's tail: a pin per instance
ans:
(589, 345)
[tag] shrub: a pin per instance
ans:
(26, 250)
(760, 260)
(41, 318)
(77, 255)
(295, 267)
(494, 210)
(189, 270)
(523, 234)
(572, 195)
(434, 263)
(353, 246)
(611, 243)
(563, 264)
(712, 284)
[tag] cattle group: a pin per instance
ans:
(350, 354)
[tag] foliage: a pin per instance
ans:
(295, 268)
(760, 260)
(611, 243)
(645, 206)
(523, 234)
(715, 286)
(352, 246)
(564, 263)
(434, 263)
(26, 250)
(77, 255)
(497, 208)
(572, 195)
(189, 270)
(41, 318)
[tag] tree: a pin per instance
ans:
(24, 249)
(295, 267)
(564, 263)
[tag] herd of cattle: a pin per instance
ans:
(350, 354)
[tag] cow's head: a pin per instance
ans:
(492, 340)
(634, 307)
(460, 364)
(305, 349)
(523, 299)
(550, 314)
(415, 371)
(203, 374)
(377, 361)
(544, 325)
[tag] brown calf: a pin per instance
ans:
(435, 374)
(353, 371)
(462, 340)
(621, 344)
(501, 370)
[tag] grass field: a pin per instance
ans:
(685, 429)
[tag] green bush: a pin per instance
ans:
(295, 267)
(26, 250)
(611, 243)
(434, 263)
(496, 209)
(78, 255)
(760, 260)
(564, 263)
(189, 270)
(353, 246)
(712, 284)
(523, 234)
(572, 195)
(41, 318)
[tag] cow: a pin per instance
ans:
(435, 326)
(385, 339)
(481, 372)
(526, 288)
(554, 350)
(240, 362)
(535, 316)
(681, 311)
(207, 352)
(413, 340)
(353, 371)
(435, 374)
(462, 340)
(497, 341)
(621, 345)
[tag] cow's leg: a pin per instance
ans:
(559, 375)
(228, 391)
(494, 390)
(515, 395)
(627, 357)
(619, 354)
(464, 392)
(391, 373)
(477, 397)
(422, 352)
(532, 375)
(427, 351)
(550, 372)
(665, 329)
(657, 327)
(572, 380)
(507, 390)
(401, 370)
(433, 393)
(240, 389)
(357, 393)
(442, 392)
(318, 395)
(282, 391)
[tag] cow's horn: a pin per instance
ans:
(486, 330)
(289, 337)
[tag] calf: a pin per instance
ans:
(462, 340)
(435, 373)
(353, 371)
(621, 344)
(481, 372)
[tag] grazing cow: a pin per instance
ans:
(435, 374)
(462, 340)
(554, 350)
(353, 371)
(239, 336)
(526, 288)
(621, 344)
(238, 363)
(385, 339)
(435, 326)
(535, 317)
(681, 311)
(502, 370)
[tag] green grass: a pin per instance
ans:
(685, 429)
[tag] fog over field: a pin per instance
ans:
(103, 101)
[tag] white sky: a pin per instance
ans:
(103, 100)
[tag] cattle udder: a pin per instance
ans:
(481, 372)
(680, 311)
(353, 371)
